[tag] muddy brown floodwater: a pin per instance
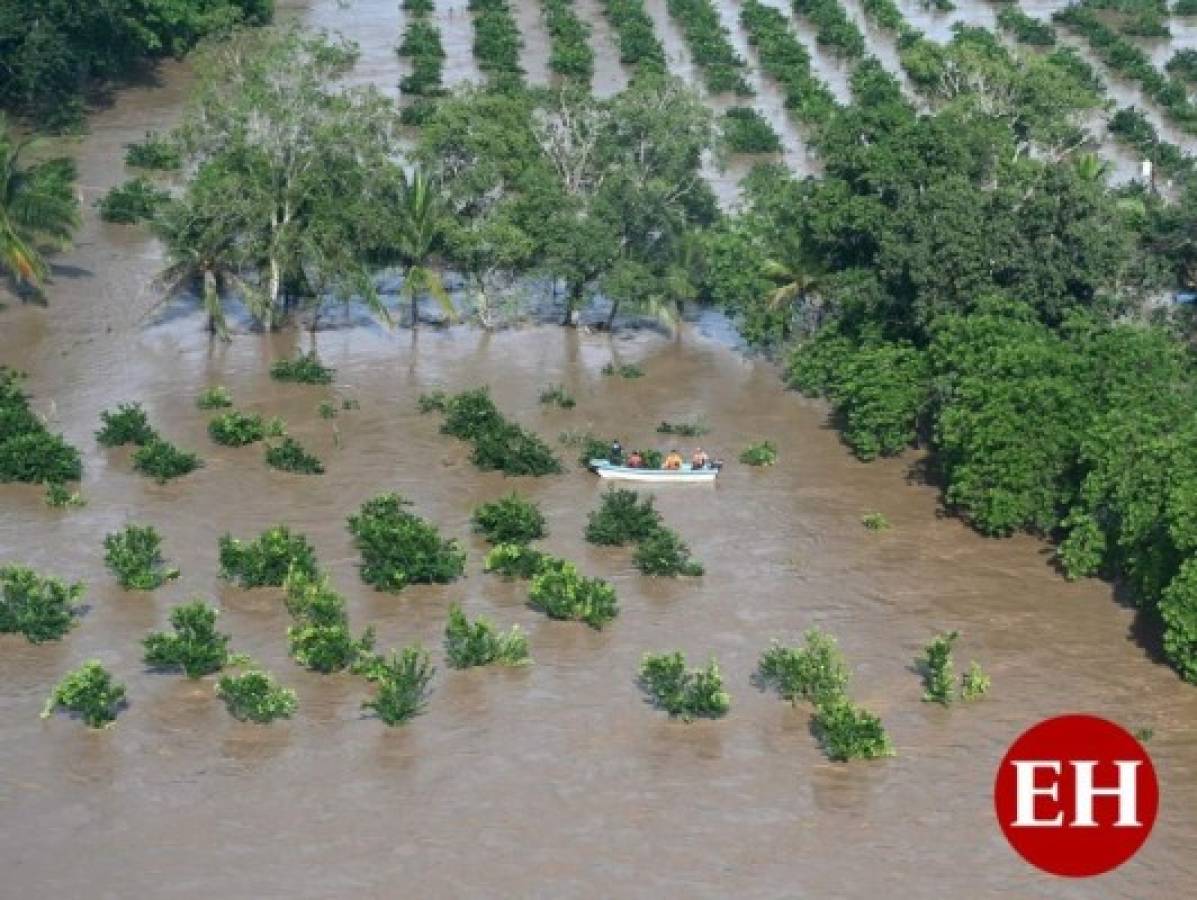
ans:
(557, 780)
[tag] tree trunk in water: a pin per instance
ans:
(573, 299)
(415, 311)
(611, 316)
(275, 285)
(209, 294)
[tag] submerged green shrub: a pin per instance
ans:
(974, 684)
(498, 444)
(510, 520)
(268, 560)
(938, 675)
(517, 560)
(746, 131)
(479, 643)
(688, 428)
(874, 521)
(40, 607)
(759, 454)
(162, 461)
(59, 496)
(434, 401)
(847, 731)
(627, 370)
(399, 548)
(39, 456)
(688, 694)
(664, 553)
(217, 397)
(236, 429)
(90, 693)
(562, 593)
(154, 152)
(320, 638)
(195, 647)
(255, 696)
(816, 672)
(289, 456)
(304, 368)
(135, 556)
(402, 684)
(127, 425)
(557, 395)
(622, 518)
(133, 201)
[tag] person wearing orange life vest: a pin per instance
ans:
(673, 460)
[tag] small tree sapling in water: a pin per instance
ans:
(874, 521)
(402, 684)
(627, 370)
(510, 520)
(480, 643)
(40, 607)
(762, 453)
(289, 456)
(688, 428)
(163, 461)
(561, 592)
(135, 556)
(89, 692)
(816, 672)
(938, 675)
(499, 445)
(433, 401)
(236, 429)
(622, 518)
(326, 410)
(195, 647)
(268, 560)
(680, 692)
(60, 496)
(556, 395)
(400, 548)
(217, 397)
(974, 684)
(664, 553)
(848, 732)
(254, 696)
(305, 369)
(127, 424)
(320, 638)
(515, 560)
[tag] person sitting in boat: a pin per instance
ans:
(673, 460)
(635, 460)
(699, 460)
(616, 456)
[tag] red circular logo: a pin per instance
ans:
(1076, 795)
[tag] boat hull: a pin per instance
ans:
(684, 475)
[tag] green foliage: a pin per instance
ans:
(625, 370)
(974, 684)
(154, 152)
(570, 55)
(134, 201)
(498, 443)
(127, 425)
(664, 553)
(320, 638)
(304, 368)
(89, 692)
(835, 29)
(885, 13)
(478, 643)
(40, 607)
(216, 397)
(762, 453)
(690, 428)
(638, 45)
(1025, 29)
(196, 646)
(135, 556)
(875, 521)
(939, 677)
(60, 497)
(710, 46)
(816, 672)
(289, 456)
(254, 696)
(434, 401)
(497, 43)
(162, 461)
(690, 694)
(510, 520)
(402, 684)
(28, 452)
(622, 518)
(1178, 609)
(746, 131)
(326, 410)
(515, 560)
(562, 593)
(848, 732)
(236, 429)
(557, 395)
(399, 548)
(422, 45)
(786, 60)
(268, 560)
(1131, 127)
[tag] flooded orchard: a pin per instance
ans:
(556, 779)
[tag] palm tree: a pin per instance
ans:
(38, 210)
(795, 270)
(423, 221)
(1091, 168)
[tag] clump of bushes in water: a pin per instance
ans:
(722, 66)
(402, 684)
(497, 42)
(304, 368)
(28, 452)
(268, 560)
(289, 456)
(874, 521)
(691, 428)
(217, 397)
(127, 425)
(561, 592)
(592, 447)
(195, 647)
(59, 496)
(1026, 29)
(628, 370)
(557, 395)
(133, 201)
(759, 454)
(433, 401)
(422, 45)
(236, 429)
(162, 461)
(40, 607)
(320, 638)
(515, 560)
(154, 152)
(974, 684)
(135, 556)
(680, 692)
(399, 548)
(622, 518)
(499, 444)
(816, 672)
(848, 732)
(89, 692)
(570, 55)
(746, 131)
(479, 643)
(255, 696)
(939, 679)
(664, 553)
(835, 29)
(785, 58)
(510, 520)
(638, 45)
